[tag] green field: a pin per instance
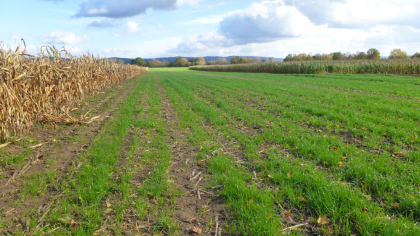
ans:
(278, 154)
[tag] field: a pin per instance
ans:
(217, 153)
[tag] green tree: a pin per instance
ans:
(193, 61)
(416, 55)
(243, 60)
(338, 56)
(235, 60)
(155, 63)
(181, 62)
(373, 54)
(289, 57)
(222, 61)
(397, 54)
(138, 61)
(361, 55)
(200, 61)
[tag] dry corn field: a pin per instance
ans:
(46, 87)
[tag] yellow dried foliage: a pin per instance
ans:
(48, 85)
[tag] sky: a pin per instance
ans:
(163, 28)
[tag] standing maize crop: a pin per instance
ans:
(34, 87)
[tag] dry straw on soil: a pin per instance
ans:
(47, 87)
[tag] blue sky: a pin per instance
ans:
(159, 28)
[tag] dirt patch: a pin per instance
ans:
(130, 223)
(197, 208)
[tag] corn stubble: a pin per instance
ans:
(46, 87)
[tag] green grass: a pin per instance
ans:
(342, 187)
(343, 146)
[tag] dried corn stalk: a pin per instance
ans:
(39, 88)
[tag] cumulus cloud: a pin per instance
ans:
(122, 8)
(386, 38)
(197, 43)
(359, 13)
(264, 22)
(131, 28)
(65, 37)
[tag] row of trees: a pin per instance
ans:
(220, 61)
(245, 60)
(179, 62)
(372, 54)
(183, 62)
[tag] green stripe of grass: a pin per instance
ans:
(393, 184)
(94, 181)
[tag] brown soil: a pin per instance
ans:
(198, 206)
(61, 149)
(130, 224)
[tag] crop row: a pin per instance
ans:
(375, 185)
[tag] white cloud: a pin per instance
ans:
(264, 22)
(360, 13)
(122, 8)
(74, 51)
(279, 27)
(199, 43)
(130, 28)
(65, 37)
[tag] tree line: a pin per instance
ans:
(371, 54)
(179, 62)
(195, 61)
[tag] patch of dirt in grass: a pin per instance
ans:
(61, 146)
(197, 208)
(130, 224)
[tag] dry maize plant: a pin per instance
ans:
(49, 85)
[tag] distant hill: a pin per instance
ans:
(172, 59)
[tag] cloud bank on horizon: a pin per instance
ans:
(154, 28)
